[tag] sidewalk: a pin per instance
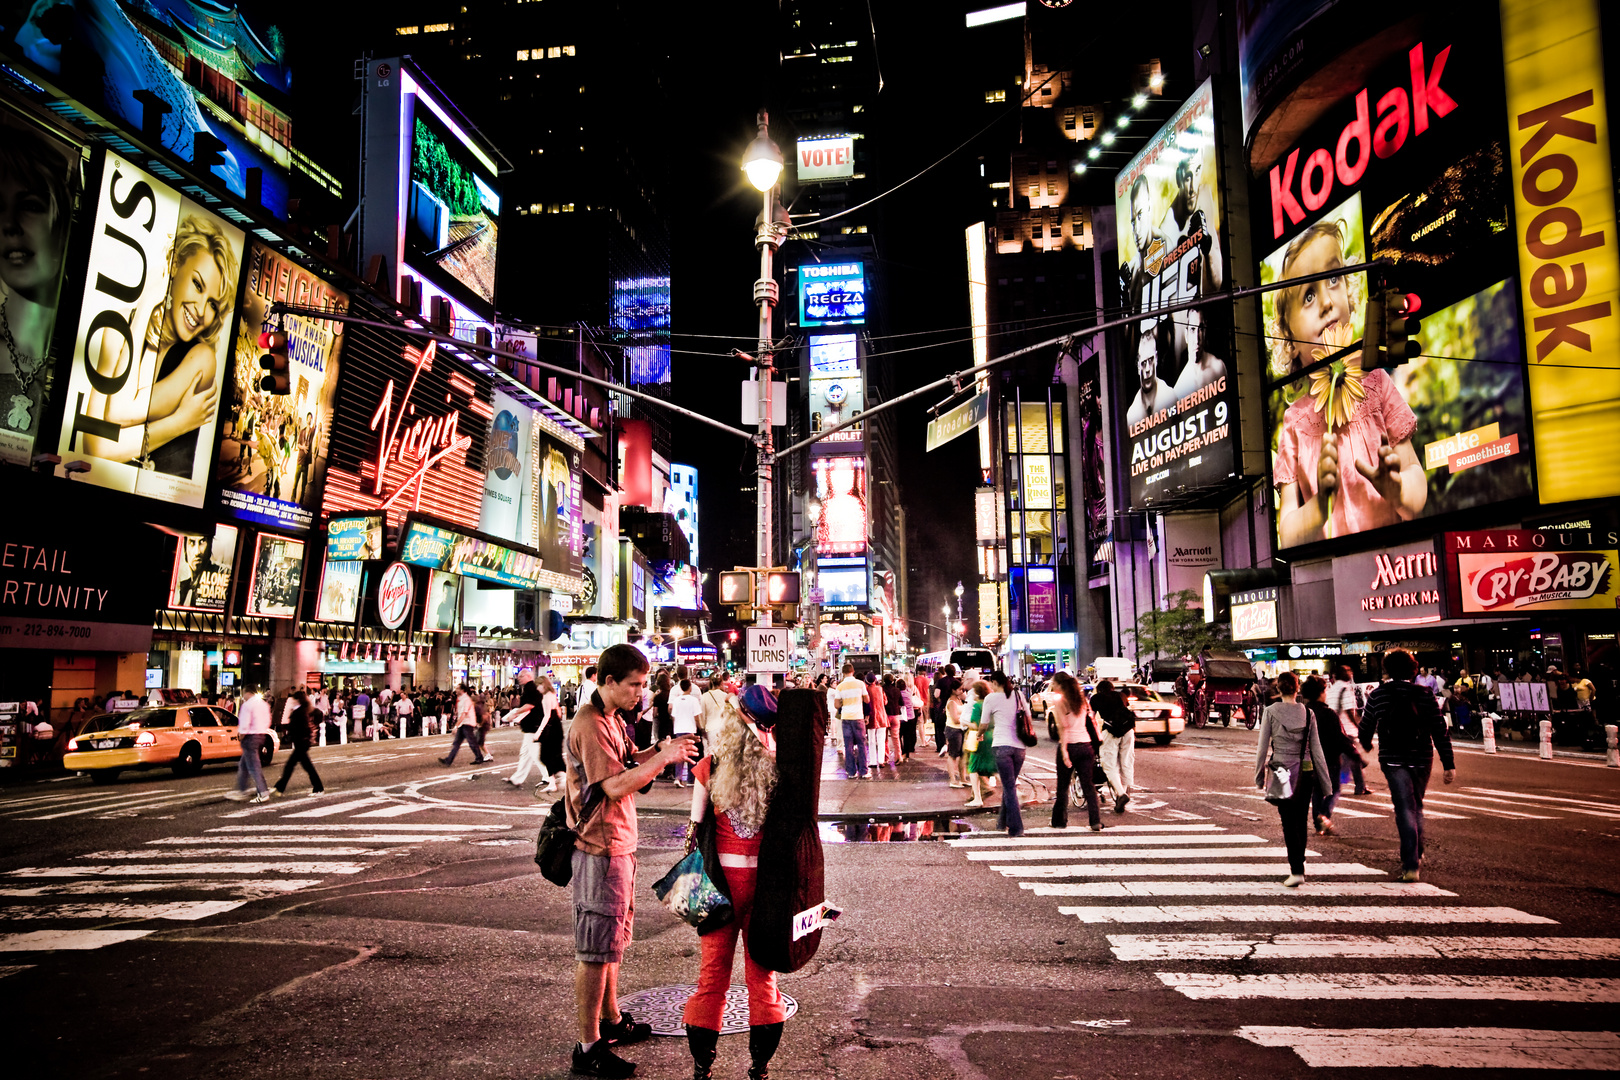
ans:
(921, 790)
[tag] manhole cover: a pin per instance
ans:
(662, 1005)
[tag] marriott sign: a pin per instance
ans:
(1384, 588)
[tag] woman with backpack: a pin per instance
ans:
(1288, 766)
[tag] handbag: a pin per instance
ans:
(1282, 780)
(1026, 725)
(970, 741)
(689, 892)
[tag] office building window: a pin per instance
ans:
(991, 97)
(403, 31)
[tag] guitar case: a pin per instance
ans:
(791, 866)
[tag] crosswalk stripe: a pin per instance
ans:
(339, 808)
(1161, 947)
(60, 940)
(1091, 839)
(186, 911)
(1136, 853)
(1116, 870)
(301, 838)
(1300, 913)
(238, 853)
(143, 802)
(1383, 800)
(1466, 802)
(399, 810)
(1229, 888)
(1611, 807)
(1455, 1048)
(7, 806)
(1048, 830)
(1534, 802)
(1344, 811)
(377, 827)
(187, 869)
(246, 890)
(1375, 986)
(12, 969)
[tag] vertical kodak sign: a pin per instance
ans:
(1569, 254)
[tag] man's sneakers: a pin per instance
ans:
(1407, 876)
(600, 1060)
(237, 796)
(1119, 803)
(625, 1030)
(263, 796)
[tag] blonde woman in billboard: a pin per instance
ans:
(36, 204)
(1344, 461)
(174, 391)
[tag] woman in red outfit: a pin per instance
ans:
(735, 784)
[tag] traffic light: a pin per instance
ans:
(1401, 327)
(782, 587)
(737, 587)
(277, 378)
(1372, 335)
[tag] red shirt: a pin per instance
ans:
(725, 836)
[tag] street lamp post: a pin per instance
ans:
(763, 164)
(946, 611)
(960, 622)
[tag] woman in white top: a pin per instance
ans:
(1289, 741)
(685, 708)
(1001, 710)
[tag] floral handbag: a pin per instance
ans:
(689, 892)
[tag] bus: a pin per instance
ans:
(979, 662)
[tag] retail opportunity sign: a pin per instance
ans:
(1528, 571)
(1387, 587)
(70, 589)
(829, 158)
(1569, 272)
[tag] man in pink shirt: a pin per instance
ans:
(253, 730)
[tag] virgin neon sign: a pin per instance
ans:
(421, 444)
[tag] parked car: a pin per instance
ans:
(183, 738)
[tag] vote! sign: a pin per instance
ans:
(826, 158)
(768, 649)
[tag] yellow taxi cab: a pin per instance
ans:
(182, 737)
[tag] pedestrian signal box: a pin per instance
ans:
(737, 587)
(782, 587)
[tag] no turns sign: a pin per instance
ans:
(768, 649)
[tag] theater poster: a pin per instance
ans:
(272, 449)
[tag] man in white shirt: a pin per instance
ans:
(1341, 698)
(253, 728)
(851, 693)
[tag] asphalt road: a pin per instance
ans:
(395, 928)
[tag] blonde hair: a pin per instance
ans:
(193, 234)
(744, 775)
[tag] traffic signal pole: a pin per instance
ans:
(767, 238)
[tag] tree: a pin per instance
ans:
(1178, 630)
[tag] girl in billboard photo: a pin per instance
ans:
(1344, 460)
(176, 388)
(36, 204)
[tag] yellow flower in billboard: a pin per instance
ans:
(1336, 389)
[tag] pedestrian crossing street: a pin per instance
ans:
(106, 897)
(1211, 928)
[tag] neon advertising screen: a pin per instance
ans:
(226, 79)
(340, 591)
(452, 210)
(843, 580)
(832, 294)
(840, 490)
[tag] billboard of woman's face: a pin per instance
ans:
(39, 185)
(150, 352)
